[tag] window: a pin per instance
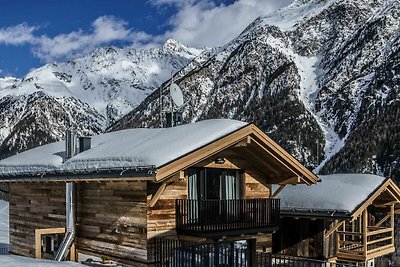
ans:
(214, 184)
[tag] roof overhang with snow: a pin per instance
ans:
(159, 154)
(339, 196)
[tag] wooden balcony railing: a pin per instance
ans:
(226, 217)
(375, 242)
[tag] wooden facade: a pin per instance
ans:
(34, 206)
(120, 218)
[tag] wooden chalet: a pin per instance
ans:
(346, 218)
(128, 195)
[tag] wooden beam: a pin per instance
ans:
(379, 231)
(392, 194)
(226, 165)
(392, 222)
(260, 162)
(383, 220)
(277, 191)
(365, 232)
(274, 157)
(311, 177)
(381, 251)
(72, 252)
(158, 194)
(38, 238)
(199, 155)
(38, 246)
(285, 181)
(245, 142)
(370, 200)
(379, 240)
(333, 229)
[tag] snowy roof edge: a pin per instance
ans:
(223, 136)
(60, 174)
(370, 195)
(331, 213)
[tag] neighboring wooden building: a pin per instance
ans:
(204, 183)
(344, 218)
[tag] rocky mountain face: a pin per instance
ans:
(321, 77)
(88, 93)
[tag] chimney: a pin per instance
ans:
(173, 119)
(85, 143)
(70, 144)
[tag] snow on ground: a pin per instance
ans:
(288, 17)
(18, 261)
(3, 223)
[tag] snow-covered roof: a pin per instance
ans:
(130, 148)
(341, 193)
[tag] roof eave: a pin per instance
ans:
(326, 214)
(114, 174)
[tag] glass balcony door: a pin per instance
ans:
(210, 191)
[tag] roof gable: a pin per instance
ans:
(250, 147)
(347, 194)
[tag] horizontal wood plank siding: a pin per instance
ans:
(34, 206)
(253, 188)
(161, 217)
(111, 218)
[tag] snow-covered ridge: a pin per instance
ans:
(88, 93)
(111, 80)
(7, 82)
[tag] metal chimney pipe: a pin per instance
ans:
(70, 222)
(70, 143)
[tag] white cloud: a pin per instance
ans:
(105, 29)
(202, 23)
(17, 35)
(197, 23)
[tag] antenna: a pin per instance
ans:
(176, 95)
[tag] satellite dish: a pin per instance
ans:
(176, 94)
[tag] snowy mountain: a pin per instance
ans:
(319, 76)
(88, 93)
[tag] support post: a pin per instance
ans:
(72, 252)
(38, 245)
(392, 221)
(365, 232)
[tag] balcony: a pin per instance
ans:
(211, 218)
(361, 240)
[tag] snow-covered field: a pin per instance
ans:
(17, 261)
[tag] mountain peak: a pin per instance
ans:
(173, 45)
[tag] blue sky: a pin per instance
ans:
(33, 33)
